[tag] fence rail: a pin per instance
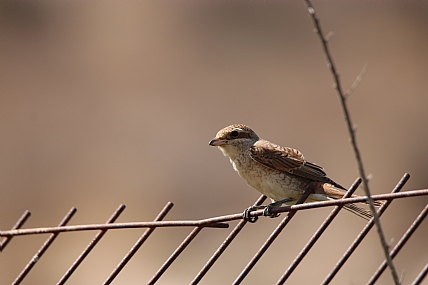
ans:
(221, 223)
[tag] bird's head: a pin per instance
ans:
(234, 139)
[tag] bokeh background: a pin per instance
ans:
(110, 102)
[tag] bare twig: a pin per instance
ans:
(364, 232)
(357, 82)
(361, 171)
(416, 223)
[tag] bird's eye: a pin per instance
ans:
(234, 134)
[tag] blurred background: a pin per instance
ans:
(111, 102)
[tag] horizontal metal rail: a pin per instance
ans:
(201, 223)
(221, 222)
(216, 222)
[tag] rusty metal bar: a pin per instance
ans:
(400, 244)
(219, 222)
(160, 224)
(44, 247)
(174, 255)
(313, 205)
(391, 196)
(216, 222)
(363, 233)
(224, 245)
(18, 224)
(138, 244)
(421, 276)
(317, 234)
(271, 239)
(90, 246)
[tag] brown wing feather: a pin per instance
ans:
(288, 160)
(293, 162)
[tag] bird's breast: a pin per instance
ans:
(270, 182)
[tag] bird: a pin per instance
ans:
(281, 173)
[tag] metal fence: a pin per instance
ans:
(222, 222)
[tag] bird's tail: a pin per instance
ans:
(337, 193)
(363, 213)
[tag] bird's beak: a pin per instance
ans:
(217, 142)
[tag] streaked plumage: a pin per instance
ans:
(276, 171)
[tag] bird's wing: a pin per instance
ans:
(292, 161)
(287, 160)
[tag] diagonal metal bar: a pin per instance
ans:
(224, 245)
(271, 239)
(44, 247)
(138, 244)
(90, 246)
(317, 234)
(18, 224)
(400, 244)
(363, 233)
(421, 276)
(175, 254)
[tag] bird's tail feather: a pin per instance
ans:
(363, 213)
(377, 203)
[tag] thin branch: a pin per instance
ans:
(361, 171)
(357, 81)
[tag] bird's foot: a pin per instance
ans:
(268, 208)
(246, 215)
(267, 212)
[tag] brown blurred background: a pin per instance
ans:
(114, 102)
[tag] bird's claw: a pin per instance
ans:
(267, 212)
(247, 217)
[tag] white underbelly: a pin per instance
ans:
(276, 185)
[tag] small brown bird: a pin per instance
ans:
(280, 173)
